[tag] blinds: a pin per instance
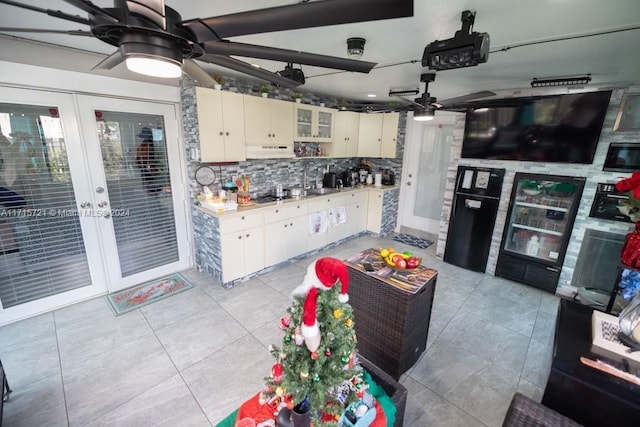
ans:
(135, 160)
(41, 244)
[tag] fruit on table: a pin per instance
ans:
(399, 260)
(401, 263)
(413, 262)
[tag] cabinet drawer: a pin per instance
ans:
(285, 211)
(357, 197)
(326, 202)
(241, 222)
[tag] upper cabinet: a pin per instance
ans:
(346, 132)
(313, 124)
(221, 125)
(268, 121)
(378, 135)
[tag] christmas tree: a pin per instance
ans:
(315, 366)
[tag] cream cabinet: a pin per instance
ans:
(268, 121)
(313, 124)
(378, 135)
(242, 245)
(374, 210)
(220, 125)
(357, 207)
(285, 232)
(346, 132)
(319, 205)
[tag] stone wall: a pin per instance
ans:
(592, 172)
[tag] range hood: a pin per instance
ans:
(269, 152)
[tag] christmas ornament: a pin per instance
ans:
(327, 352)
(344, 359)
(297, 337)
(262, 399)
(276, 372)
(304, 375)
(316, 378)
(321, 275)
(285, 322)
(279, 391)
(331, 336)
(337, 313)
(349, 323)
(314, 355)
(287, 338)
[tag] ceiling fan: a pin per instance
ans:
(423, 107)
(153, 39)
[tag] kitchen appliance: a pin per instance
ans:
(473, 216)
(539, 222)
(363, 173)
(349, 178)
(388, 177)
(622, 157)
(330, 180)
(606, 202)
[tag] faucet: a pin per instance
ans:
(305, 184)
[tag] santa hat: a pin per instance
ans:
(321, 275)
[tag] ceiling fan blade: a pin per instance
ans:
(463, 98)
(109, 62)
(196, 72)
(253, 51)
(89, 7)
(295, 16)
(153, 10)
(413, 103)
(243, 67)
(55, 13)
(35, 30)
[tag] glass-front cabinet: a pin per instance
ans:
(314, 124)
(541, 213)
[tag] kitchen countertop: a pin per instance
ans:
(260, 206)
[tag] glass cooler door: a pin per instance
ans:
(541, 217)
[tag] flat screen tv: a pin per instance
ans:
(555, 128)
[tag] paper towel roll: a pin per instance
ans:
(378, 180)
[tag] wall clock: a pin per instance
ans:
(205, 175)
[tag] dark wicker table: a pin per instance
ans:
(392, 310)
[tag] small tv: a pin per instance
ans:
(554, 128)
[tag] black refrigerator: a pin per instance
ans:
(539, 222)
(473, 216)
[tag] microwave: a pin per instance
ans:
(605, 203)
(622, 157)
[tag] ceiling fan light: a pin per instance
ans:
(423, 115)
(154, 67)
(355, 46)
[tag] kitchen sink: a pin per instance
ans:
(321, 191)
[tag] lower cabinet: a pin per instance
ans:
(357, 207)
(374, 211)
(319, 208)
(285, 232)
(242, 246)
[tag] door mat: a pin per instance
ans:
(140, 295)
(418, 242)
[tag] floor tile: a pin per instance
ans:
(177, 308)
(530, 390)
(538, 363)
(36, 404)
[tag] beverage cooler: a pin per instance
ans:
(541, 213)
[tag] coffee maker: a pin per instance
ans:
(350, 178)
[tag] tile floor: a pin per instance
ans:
(191, 359)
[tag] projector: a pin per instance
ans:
(291, 73)
(463, 50)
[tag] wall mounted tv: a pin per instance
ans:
(555, 128)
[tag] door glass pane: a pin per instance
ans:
(324, 124)
(135, 163)
(41, 245)
(434, 158)
(303, 122)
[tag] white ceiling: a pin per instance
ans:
(611, 59)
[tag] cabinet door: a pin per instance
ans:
(233, 119)
(297, 236)
(323, 121)
(281, 122)
(253, 250)
(353, 129)
(370, 135)
(389, 135)
(232, 246)
(340, 134)
(276, 242)
(374, 211)
(257, 120)
(304, 123)
(210, 124)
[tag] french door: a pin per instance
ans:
(83, 209)
(425, 171)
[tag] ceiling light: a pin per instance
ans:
(355, 46)
(151, 55)
(465, 49)
(403, 92)
(153, 67)
(423, 115)
(561, 81)
(371, 95)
